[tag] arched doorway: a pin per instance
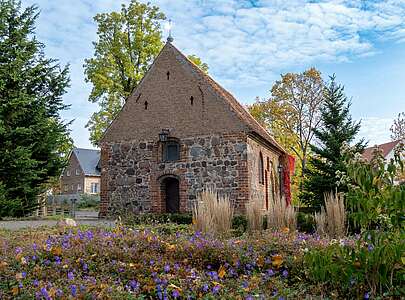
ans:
(171, 194)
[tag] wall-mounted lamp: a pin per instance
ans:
(163, 135)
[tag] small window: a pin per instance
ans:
(67, 172)
(66, 187)
(191, 100)
(77, 172)
(79, 187)
(94, 188)
(168, 75)
(73, 187)
(171, 151)
(261, 169)
(146, 105)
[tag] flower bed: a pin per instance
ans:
(141, 264)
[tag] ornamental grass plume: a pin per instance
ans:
(331, 221)
(254, 214)
(213, 213)
(320, 221)
(336, 214)
(281, 215)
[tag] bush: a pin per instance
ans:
(373, 266)
(88, 201)
(374, 198)
(239, 224)
(149, 218)
(305, 222)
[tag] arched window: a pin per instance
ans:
(171, 151)
(261, 169)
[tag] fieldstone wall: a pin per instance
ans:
(132, 172)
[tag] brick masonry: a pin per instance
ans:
(214, 135)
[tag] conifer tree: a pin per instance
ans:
(337, 128)
(32, 133)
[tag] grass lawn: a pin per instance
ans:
(166, 262)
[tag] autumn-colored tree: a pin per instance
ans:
(398, 127)
(293, 111)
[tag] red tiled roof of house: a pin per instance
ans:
(385, 148)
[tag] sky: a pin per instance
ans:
(248, 44)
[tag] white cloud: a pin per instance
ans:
(375, 130)
(244, 45)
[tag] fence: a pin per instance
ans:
(58, 205)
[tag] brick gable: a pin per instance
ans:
(169, 104)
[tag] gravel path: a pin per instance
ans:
(82, 218)
(17, 225)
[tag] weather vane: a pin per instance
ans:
(169, 27)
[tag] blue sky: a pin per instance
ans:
(248, 44)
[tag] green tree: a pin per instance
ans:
(327, 161)
(32, 133)
(128, 42)
(197, 61)
(292, 113)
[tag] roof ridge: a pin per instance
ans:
(238, 108)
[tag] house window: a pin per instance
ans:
(73, 187)
(66, 188)
(171, 151)
(77, 172)
(94, 188)
(79, 187)
(67, 172)
(261, 169)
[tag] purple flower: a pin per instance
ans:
(24, 274)
(205, 287)
(270, 272)
(216, 289)
(367, 296)
(175, 294)
(133, 284)
(370, 247)
(70, 275)
(285, 273)
(73, 290)
(249, 297)
(45, 294)
(59, 293)
(167, 268)
(35, 283)
(18, 250)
